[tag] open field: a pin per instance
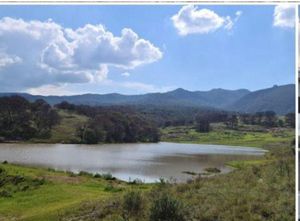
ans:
(252, 136)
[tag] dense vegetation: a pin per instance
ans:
(113, 124)
(22, 120)
(39, 122)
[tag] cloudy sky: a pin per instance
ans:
(62, 50)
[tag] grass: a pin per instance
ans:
(65, 131)
(60, 193)
(244, 136)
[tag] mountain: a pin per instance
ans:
(280, 99)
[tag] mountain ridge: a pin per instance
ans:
(280, 99)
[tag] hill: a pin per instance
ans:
(280, 99)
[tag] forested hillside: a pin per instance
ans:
(280, 99)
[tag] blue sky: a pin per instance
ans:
(204, 47)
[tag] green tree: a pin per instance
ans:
(290, 119)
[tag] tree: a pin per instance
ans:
(202, 125)
(290, 119)
(22, 120)
(232, 121)
(270, 119)
(89, 136)
(44, 117)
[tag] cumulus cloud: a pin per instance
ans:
(41, 53)
(284, 16)
(192, 20)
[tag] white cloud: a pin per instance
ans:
(284, 16)
(6, 60)
(50, 89)
(35, 53)
(191, 20)
(126, 74)
(138, 87)
(107, 85)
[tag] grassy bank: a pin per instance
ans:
(252, 136)
(58, 192)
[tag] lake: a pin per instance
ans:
(147, 162)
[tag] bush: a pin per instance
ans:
(97, 175)
(133, 203)
(5, 193)
(108, 176)
(166, 208)
(84, 173)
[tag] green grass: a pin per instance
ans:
(60, 192)
(65, 131)
(243, 137)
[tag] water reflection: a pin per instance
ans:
(147, 162)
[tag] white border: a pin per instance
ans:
(297, 111)
(149, 2)
(296, 3)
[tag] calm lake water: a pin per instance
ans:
(147, 162)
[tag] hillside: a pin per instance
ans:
(280, 99)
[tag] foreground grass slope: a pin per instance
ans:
(58, 193)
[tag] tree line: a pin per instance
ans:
(23, 120)
(266, 119)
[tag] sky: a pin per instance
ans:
(65, 50)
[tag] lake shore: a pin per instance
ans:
(64, 195)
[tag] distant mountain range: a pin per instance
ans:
(280, 99)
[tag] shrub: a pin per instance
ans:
(167, 208)
(97, 175)
(133, 203)
(108, 176)
(84, 173)
(5, 193)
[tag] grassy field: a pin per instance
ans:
(58, 193)
(252, 136)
